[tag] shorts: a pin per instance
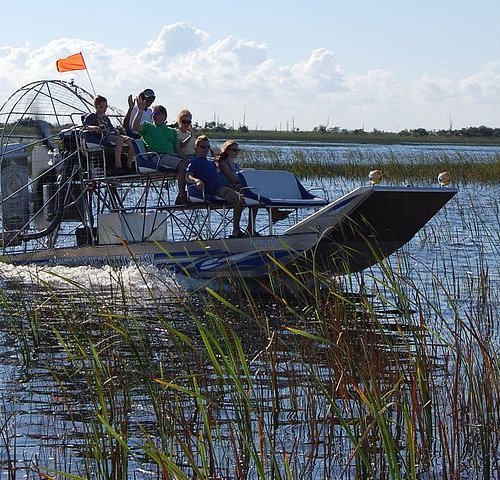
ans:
(229, 195)
(108, 140)
(169, 161)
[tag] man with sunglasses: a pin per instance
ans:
(162, 139)
(203, 173)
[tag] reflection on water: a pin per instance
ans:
(94, 358)
(89, 349)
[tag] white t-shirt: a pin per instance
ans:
(147, 116)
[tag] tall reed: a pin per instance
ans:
(464, 169)
(390, 373)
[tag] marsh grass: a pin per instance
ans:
(383, 383)
(465, 169)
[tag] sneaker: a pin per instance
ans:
(240, 234)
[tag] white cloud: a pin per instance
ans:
(236, 53)
(173, 40)
(481, 87)
(319, 73)
(228, 76)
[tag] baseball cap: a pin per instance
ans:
(148, 93)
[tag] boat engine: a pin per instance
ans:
(44, 186)
(14, 190)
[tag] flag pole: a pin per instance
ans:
(88, 75)
(90, 80)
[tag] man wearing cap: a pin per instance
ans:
(147, 96)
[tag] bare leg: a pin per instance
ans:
(118, 152)
(236, 201)
(181, 181)
(238, 209)
(130, 152)
(252, 216)
(181, 176)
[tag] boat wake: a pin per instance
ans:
(134, 278)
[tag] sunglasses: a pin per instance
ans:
(204, 147)
(157, 113)
(186, 122)
(235, 149)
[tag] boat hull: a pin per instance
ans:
(346, 236)
(386, 219)
(245, 257)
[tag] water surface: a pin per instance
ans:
(449, 271)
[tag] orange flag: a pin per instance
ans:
(73, 62)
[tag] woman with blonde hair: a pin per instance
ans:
(186, 134)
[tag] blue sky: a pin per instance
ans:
(376, 65)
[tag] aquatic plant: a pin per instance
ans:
(421, 168)
(391, 373)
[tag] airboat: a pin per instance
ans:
(59, 205)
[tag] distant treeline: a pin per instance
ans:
(481, 131)
(321, 132)
(352, 136)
